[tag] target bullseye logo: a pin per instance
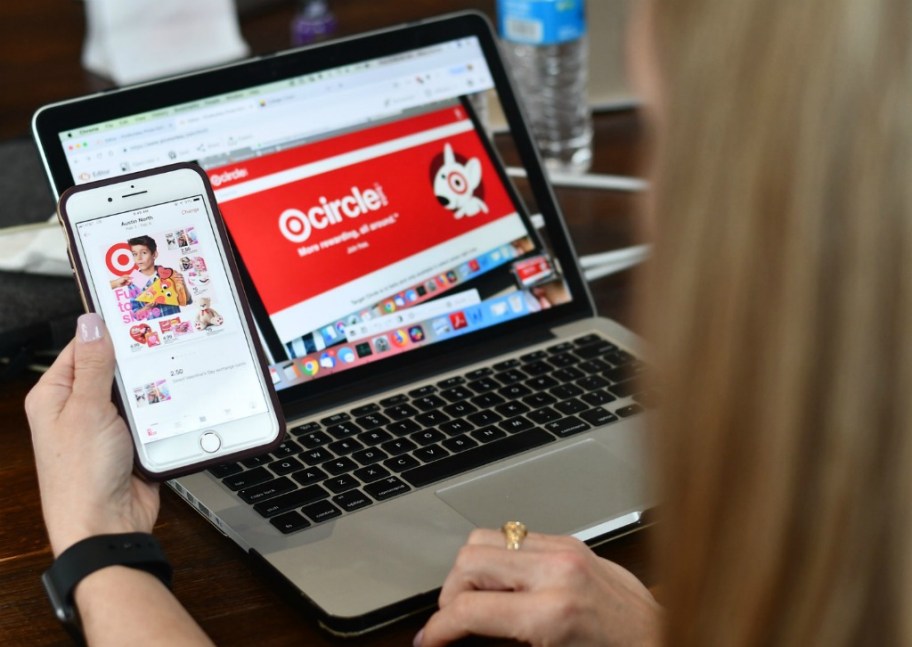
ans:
(119, 259)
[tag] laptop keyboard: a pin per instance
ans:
(377, 451)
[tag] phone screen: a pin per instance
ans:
(163, 290)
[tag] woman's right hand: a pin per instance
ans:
(83, 450)
(552, 591)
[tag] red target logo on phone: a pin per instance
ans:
(119, 259)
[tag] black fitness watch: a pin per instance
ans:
(136, 550)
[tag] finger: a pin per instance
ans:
(93, 366)
(54, 387)
(493, 614)
(488, 568)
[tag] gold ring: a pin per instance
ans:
(515, 532)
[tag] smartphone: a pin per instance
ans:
(151, 256)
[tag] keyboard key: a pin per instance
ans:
(483, 418)
(514, 391)
(432, 418)
(594, 350)
(429, 402)
(316, 456)
(364, 409)
(506, 364)
(619, 357)
(427, 436)
(321, 511)
(593, 366)
(339, 465)
(538, 400)
(563, 360)
(285, 465)
(450, 382)
(460, 409)
(624, 389)
(629, 410)
(566, 391)
(459, 443)
(534, 356)
(571, 406)
(541, 416)
(430, 453)
(315, 439)
(403, 427)
(541, 383)
(479, 372)
(370, 455)
(510, 376)
(475, 457)
(266, 490)
(510, 409)
(487, 434)
(456, 427)
(401, 463)
(290, 501)
(371, 473)
(254, 461)
(374, 437)
(487, 400)
(619, 374)
(567, 426)
(309, 475)
(344, 430)
(394, 400)
(352, 500)
(596, 398)
(537, 368)
(591, 383)
(519, 423)
(400, 411)
(247, 479)
(345, 446)
(567, 374)
(398, 446)
(598, 416)
(372, 420)
(422, 391)
(591, 338)
(386, 488)
(306, 428)
(562, 347)
(287, 448)
(457, 394)
(483, 385)
(289, 522)
(225, 469)
(335, 418)
(341, 483)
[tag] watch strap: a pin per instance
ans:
(138, 550)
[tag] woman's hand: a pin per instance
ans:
(552, 591)
(83, 450)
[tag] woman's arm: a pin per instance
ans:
(84, 460)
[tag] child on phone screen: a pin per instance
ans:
(143, 279)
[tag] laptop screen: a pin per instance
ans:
(369, 204)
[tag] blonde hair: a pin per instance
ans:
(780, 307)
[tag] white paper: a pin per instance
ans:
(138, 40)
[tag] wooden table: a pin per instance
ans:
(39, 47)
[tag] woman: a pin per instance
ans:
(777, 308)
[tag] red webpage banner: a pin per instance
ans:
(308, 236)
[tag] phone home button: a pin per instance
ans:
(210, 442)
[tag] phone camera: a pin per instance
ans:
(110, 199)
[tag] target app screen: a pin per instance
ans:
(160, 284)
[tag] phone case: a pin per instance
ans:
(234, 276)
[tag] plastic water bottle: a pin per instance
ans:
(545, 47)
(313, 22)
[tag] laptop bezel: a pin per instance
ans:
(51, 120)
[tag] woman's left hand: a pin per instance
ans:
(552, 591)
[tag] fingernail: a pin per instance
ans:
(90, 327)
(416, 641)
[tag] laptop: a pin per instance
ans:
(433, 344)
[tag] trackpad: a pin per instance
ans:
(559, 493)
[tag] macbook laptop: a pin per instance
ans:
(434, 346)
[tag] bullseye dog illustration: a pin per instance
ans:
(455, 185)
